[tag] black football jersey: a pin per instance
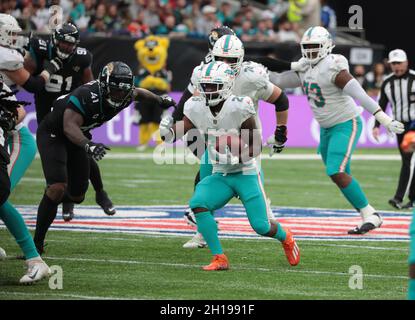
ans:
(88, 101)
(64, 81)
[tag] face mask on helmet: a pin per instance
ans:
(213, 91)
(11, 33)
(119, 93)
(65, 40)
(116, 81)
(316, 44)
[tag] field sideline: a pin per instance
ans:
(109, 265)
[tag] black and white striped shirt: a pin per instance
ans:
(400, 92)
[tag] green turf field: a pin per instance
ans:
(104, 265)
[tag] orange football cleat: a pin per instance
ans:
(219, 262)
(408, 143)
(292, 251)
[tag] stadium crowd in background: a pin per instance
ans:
(279, 21)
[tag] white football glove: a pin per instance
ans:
(165, 127)
(222, 158)
(300, 66)
(391, 125)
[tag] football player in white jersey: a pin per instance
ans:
(37, 269)
(330, 89)
(218, 113)
(251, 80)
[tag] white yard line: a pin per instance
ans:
(183, 265)
(56, 294)
(179, 156)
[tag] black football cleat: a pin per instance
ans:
(409, 205)
(397, 204)
(67, 211)
(102, 199)
(365, 227)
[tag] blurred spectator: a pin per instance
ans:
(207, 21)
(137, 28)
(151, 17)
(375, 78)
(78, 11)
(359, 73)
(328, 17)
(170, 28)
(113, 20)
(278, 7)
(98, 26)
(225, 15)
(135, 7)
(246, 32)
(286, 31)
(265, 27)
(179, 11)
(41, 16)
(311, 15)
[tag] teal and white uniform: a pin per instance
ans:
(227, 181)
(22, 145)
(335, 111)
(252, 81)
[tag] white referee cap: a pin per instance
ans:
(397, 55)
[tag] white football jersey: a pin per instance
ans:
(252, 81)
(329, 103)
(235, 111)
(10, 60)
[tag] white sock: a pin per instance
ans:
(366, 212)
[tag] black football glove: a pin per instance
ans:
(167, 102)
(96, 150)
(277, 142)
(280, 135)
(53, 65)
(7, 120)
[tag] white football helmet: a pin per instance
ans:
(316, 44)
(229, 47)
(9, 32)
(215, 82)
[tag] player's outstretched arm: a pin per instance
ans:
(272, 64)
(344, 80)
(285, 80)
(163, 101)
(178, 111)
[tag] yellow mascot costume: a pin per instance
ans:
(153, 76)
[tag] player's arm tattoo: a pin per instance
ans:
(87, 75)
(255, 141)
(72, 122)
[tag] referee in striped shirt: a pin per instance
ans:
(399, 90)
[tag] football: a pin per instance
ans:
(233, 141)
